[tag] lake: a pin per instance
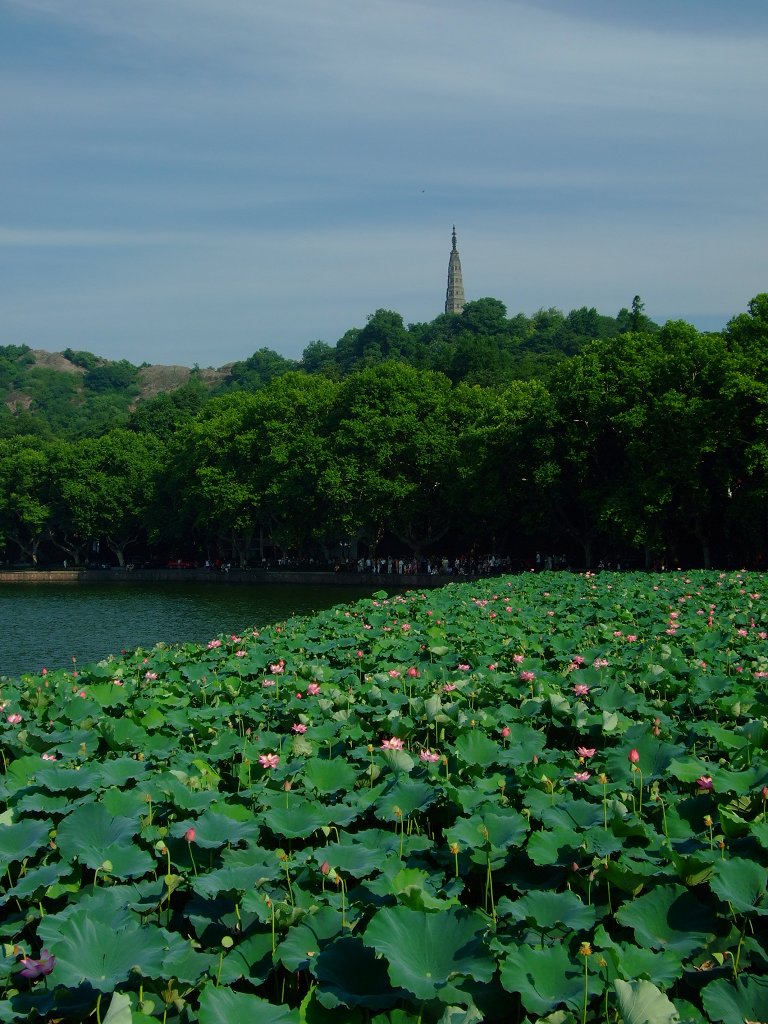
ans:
(47, 625)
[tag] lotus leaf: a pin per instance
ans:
(350, 974)
(429, 953)
(544, 978)
(92, 835)
(736, 1002)
(640, 1002)
(92, 951)
(741, 883)
(223, 1006)
(669, 917)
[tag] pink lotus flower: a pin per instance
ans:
(464, 667)
(49, 757)
(413, 672)
(581, 689)
(189, 835)
(429, 755)
(313, 689)
(299, 727)
(585, 752)
(150, 675)
(278, 667)
(37, 968)
(268, 682)
(505, 731)
(13, 719)
(581, 776)
(448, 687)
(212, 644)
(392, 744)
(393, 673)
(240, 654)
(600, 663)
(633, 756)
(518, 659)
(704, 782)
(269, 760)
(527, 677)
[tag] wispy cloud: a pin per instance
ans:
(271, 173)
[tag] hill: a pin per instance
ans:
(75, 393)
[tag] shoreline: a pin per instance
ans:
(70, 577)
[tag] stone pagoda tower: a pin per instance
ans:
(454, 296)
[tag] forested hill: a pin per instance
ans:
(75, 394)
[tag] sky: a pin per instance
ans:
(187, 181)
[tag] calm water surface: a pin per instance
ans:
(48, 625)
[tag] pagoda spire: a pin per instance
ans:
(454, 296)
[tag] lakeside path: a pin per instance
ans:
(377, 581)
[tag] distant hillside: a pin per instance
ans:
(76, 393)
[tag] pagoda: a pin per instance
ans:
(454, 296)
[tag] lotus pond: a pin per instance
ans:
(531, 799)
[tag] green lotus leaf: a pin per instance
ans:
(544, 978)
(553, 846)
(398, 760)
(34, 880)
(460, 1015)
(329, 775)
(299, 820)
(350, 974)
(477, 749)
(118, 771)
(23, 839)
(305, 940)
(352, 858)
(223, 1006)
(251, 959)
(741, 883)
(669, 917)
(760, 831)
(238, 879)
(655, 756)
(573, 814)
(522, 745)
(171, 786)
(125, 803)
(640, 1002)
(213, 830)
(736, 1002)
(91, 834)
(497, 830)
(406, 796)
(429, 953)
(58, 779)
(124, 734)
(544, 910)
(92, 951)
(119, 1010)
(732, 824)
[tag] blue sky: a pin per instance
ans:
(185, 181)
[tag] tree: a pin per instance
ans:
(109, 487)
(394, 454)
(25, 493)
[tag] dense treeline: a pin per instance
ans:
(640, 446)
(83, 395)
